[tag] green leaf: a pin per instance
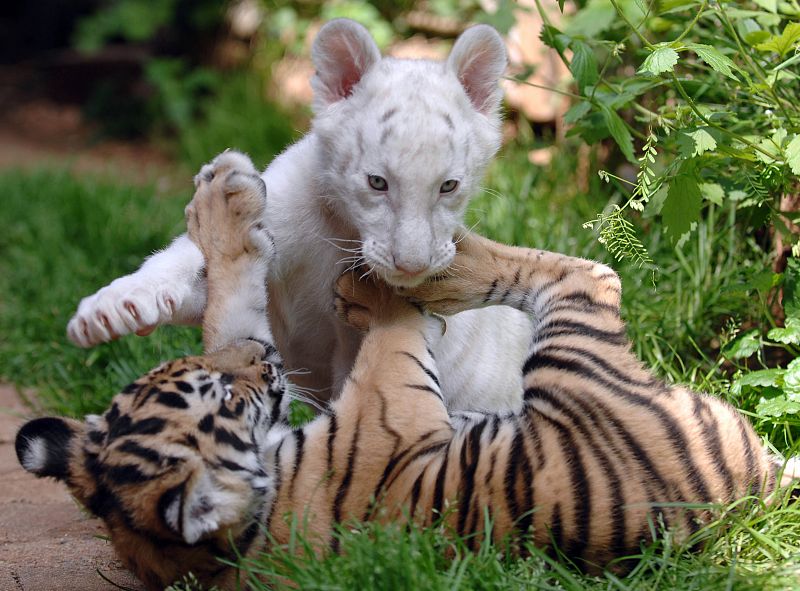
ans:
(703, 141)
(667, 6)
(596, 17)
(778, 407)
(764, 281)
(791, 288)
(663, 59)
(682, 206)
(756, 37)
(554, 38)
(744, 346)
(716, 61)
(772, 147)
(783, 43)
(577, 111)
(712, 192)
(791, 380)
(619, 131)
(789, 334)
(761, 378)
(793, 154)
(583, 65)
(771, 5)
(653, 207)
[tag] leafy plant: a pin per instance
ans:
(206, 112)
(711, 83)
(140, 21)
(777, 388)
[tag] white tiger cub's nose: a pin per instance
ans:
(411, 269)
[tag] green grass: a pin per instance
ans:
(747, 547)
(62, 238)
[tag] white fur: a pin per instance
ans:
(415, 123)
(792, 468)
(167, 289)
(35, 455)
(206, 508)
(243, 308)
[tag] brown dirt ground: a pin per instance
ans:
(47, 543)
(40, 133)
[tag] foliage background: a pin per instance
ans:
(676, 156)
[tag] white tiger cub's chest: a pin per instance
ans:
(480, 358)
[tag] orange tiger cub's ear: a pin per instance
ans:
(45, 446)
(204, 504)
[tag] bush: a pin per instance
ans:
(702, 100)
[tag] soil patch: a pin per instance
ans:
(47, 542)
(43, 134)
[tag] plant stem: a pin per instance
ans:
(633, 28)
(546, 21)
(753, 63)
(543, 87)
(693, 23)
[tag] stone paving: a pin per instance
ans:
(47, 542)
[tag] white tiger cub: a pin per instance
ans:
(396, 150)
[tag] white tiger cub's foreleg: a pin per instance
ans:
(167, 289)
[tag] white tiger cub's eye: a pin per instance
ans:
(377, 182)
(448, 186)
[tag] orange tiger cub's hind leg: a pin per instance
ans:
(391, 410)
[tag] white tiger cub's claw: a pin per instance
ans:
(133, 303)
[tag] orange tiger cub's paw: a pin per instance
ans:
(364, 303)
(465, 283)
(226, 213)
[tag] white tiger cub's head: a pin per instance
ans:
(405, 142)
(176, 466)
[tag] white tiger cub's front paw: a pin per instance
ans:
(133, 303)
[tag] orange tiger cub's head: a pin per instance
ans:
(175, 467)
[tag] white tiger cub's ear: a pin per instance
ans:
(201, 506)
(342, 53)
(479, 59)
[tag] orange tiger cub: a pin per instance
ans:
(197, 454)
